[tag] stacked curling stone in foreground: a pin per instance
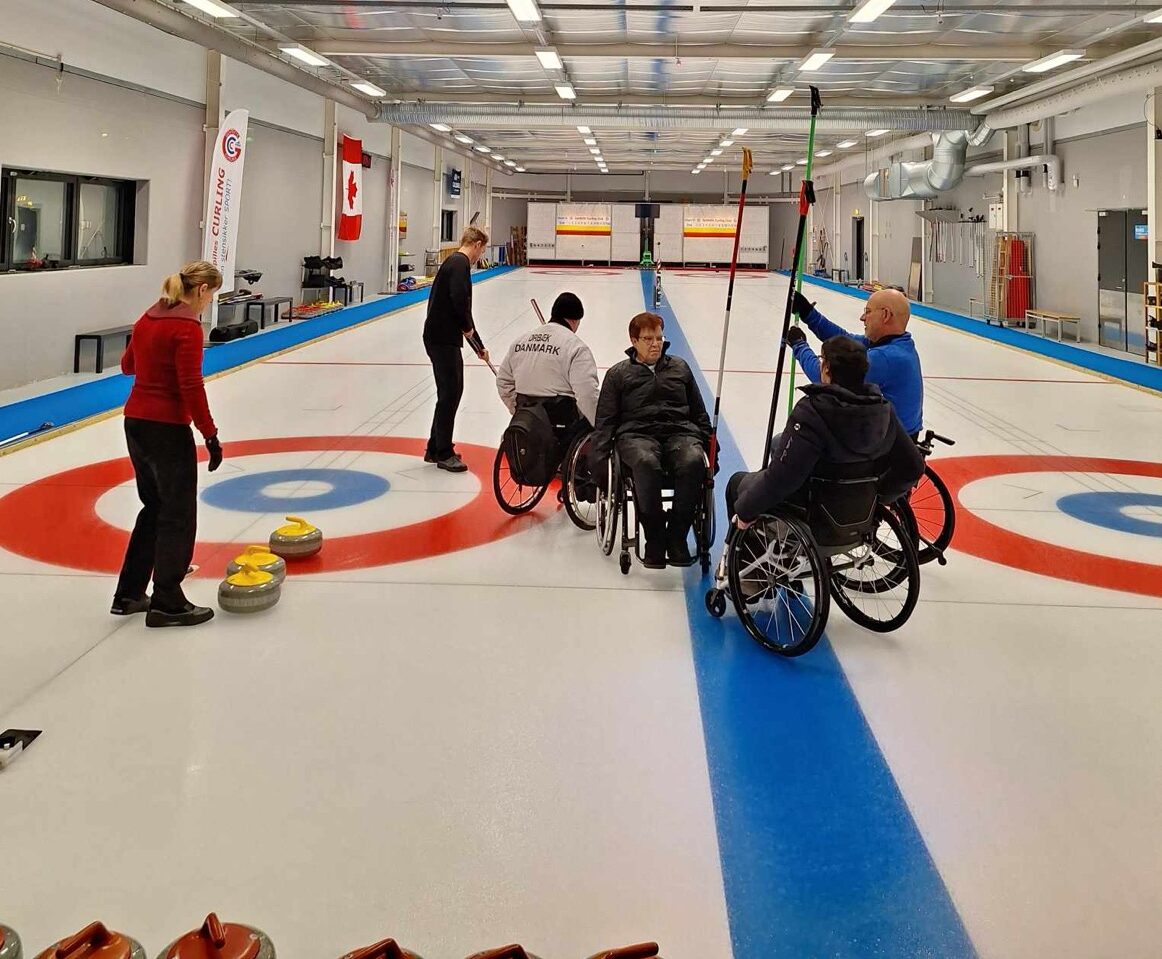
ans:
(9, 944)
(254, 578)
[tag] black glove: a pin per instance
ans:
(802, 306)
(794, 337)
(214, 448)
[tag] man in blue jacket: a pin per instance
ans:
(893, 363)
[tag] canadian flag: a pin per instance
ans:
(351, 190)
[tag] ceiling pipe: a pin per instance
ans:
(1050, 163)
(926, 179)
(786, 120)
(179, 25)
(1103, 88)
(871, 158)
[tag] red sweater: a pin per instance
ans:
(165, 355)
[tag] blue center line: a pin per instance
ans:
(820, 854)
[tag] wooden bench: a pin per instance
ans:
(1045, 317)
(99, 336)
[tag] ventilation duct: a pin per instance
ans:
(1052, 165)
(924, 179)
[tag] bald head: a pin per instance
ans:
(886, 314)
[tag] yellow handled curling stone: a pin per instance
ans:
(95, 942)
(9, 944)
(297, 540)
(261, 558)
(249, 591)
(221, 940)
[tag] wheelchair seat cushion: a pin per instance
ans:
(531, 446)
(841, 512)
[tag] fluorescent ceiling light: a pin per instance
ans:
(497, 156)
(800, 163)
(520, 169)
(740, 132)
(483, 149)
(1053, 61)
(584, 131)
(591, 141)
(510, 163)
(565, 91)
(876, 133)
(974, 93)
(716, 153)
(822, 153)
(696, 170)
(815, 60)
(869, 10)
(726, 143)
(299, 52)
(846, 144)
(708, 161)
(788, 168)
(1155, 17)
(373, 91)
(460, 138)
(779, 94)
(442, 127)
(525, 10)
(549, 58)
(595, 150)
(214, 8)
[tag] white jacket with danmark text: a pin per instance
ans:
(551, 360)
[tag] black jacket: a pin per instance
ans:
(659, 403)
(450, 303)
(833, 432)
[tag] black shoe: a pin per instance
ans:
(428, 457)
(122, 606)
(453, 464)
(655, 556)
(678, 547)
(190, 615)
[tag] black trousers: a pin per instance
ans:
(165, 460)
(448, 369)
(650, 461)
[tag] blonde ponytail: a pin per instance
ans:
(192, 275)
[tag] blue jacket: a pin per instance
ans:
(893, 366)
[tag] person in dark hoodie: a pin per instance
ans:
(165, 358)
(843, 427)
(652, 408)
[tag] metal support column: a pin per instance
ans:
(437, 197)
(330, 172)
(394, 188)
(488, 201)
(1153, 182)
(213, 122)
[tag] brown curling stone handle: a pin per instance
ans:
(216, 940)
(94, 942)
(213, 931)
(515, 951)
(385, 949)
(643, 950)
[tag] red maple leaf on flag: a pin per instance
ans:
(352, 190)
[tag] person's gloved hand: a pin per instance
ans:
(795, 336)
(214, 448)
(802, 306)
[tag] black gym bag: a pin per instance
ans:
(223, 334)
(531, 446)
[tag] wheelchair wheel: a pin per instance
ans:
(935, 515)
(608, 510)
(778, 586)
(513, 496)
(877, 584)
(582, 511)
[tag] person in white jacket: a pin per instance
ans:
(552, 365)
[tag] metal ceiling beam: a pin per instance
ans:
(349, 44)
(420, 97)
(949, 6)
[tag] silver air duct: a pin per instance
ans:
(1051, 164)
(925, 179)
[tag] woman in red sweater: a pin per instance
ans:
(165, 356)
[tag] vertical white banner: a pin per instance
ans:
(224, 203)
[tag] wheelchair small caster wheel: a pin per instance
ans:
(941, 560)
(716, 603)
(624, 564)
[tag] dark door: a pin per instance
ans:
(1112, 280)
(1137, 273)
(857, 249)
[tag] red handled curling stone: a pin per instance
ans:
(9, 944)
(249, 591)
(95, 942)
(221, 940)
(504, 952)
(296, 540)
(643, 950)
(385, 949)
(260, 557)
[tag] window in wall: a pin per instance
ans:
(55, 220)
(448, 226)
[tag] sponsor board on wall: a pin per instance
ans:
(584, 219)
(709, 222)
(224, 196)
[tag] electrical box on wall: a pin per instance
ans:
(996, 216)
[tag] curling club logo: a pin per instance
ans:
(231, 145)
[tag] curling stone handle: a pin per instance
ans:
(94, 934)
(514, 951)
(387, 949)
(643, 950)
(255, 550)
(213, 930)
(296, 519)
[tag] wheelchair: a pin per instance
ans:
(929, 512)
(783, 571)
(616, 503)
(577, 493)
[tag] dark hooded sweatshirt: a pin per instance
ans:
(839, 434)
